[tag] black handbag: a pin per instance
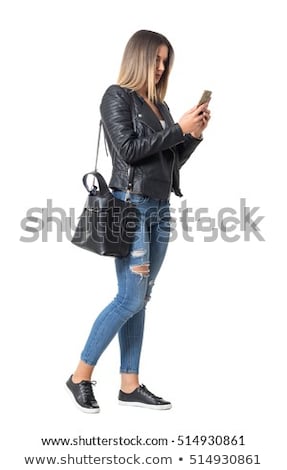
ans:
(107, 225)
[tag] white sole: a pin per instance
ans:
(84, 410)
(145, 405)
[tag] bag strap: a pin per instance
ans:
(98, 145)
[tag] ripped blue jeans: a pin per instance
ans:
(125, 315)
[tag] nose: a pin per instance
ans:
(160, 65)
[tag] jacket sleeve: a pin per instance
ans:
(116, 115)
(186, 148)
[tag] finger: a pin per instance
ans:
(194, 108)
(199, 118)
(206, 114)
(202, 107)
(205, 121)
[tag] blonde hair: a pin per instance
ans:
(138, 64)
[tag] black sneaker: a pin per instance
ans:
(141, 396)
(83, 395)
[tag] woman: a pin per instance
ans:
(147, 150)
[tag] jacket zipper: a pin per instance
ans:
(171, 175)
(149, 126)
(173, 162)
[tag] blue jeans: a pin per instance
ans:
(125, 315)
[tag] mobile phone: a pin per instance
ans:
(206, 95)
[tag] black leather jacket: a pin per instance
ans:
(138, 143)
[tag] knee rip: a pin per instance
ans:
(141, 269)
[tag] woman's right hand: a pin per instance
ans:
(195, 120)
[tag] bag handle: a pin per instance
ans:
(103, 187)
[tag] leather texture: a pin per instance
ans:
(107, 225)
(136, 139)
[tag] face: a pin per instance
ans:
(161, 61)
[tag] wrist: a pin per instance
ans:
(197, 135)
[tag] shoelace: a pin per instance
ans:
(86, 388)
(148, 393)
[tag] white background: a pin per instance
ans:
(215, 343)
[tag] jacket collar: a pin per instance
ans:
(146, 114)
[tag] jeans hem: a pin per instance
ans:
(88, 362)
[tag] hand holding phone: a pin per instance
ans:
(193, 121)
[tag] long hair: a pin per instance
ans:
(139, 61)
